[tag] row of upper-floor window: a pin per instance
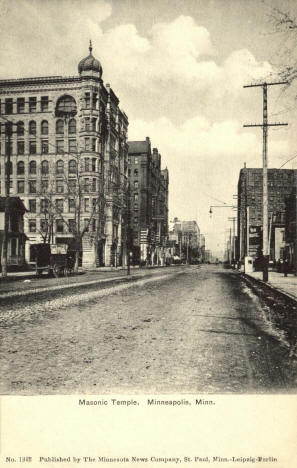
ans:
(61, 146)
(70, 186)
(88, 125)
(62, 226)
(44, 127)
(7, 106)
(61, 205)
(85, 165)
(65, 103)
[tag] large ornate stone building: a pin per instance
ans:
(148, 202)
(68, 160)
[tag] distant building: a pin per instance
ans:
(149, 186)
(250, 210)
(68, 131)
(202, 248)
(186, 237)
(16, 236)
(291, 228)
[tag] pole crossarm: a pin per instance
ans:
(266, 125)
(265, 84)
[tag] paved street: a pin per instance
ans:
(195, 329)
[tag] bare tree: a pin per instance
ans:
(284, 24)
(74, 201)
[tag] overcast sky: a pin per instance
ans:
(178, 68)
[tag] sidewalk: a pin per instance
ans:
(286, 285)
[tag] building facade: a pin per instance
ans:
(148, 187)
(68, 154)
(250, 209)
(16, 238)
(185, 236)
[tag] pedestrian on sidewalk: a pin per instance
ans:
(286, 266)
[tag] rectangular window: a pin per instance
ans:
(87, 100)
(94, 100)
(135, 183)
(60, 205)
(87, 124)
(72, 184)
(43, 225)
(60, 146)
(93, 225)
(93, 144)
(8, 106)
(21, 147)
(71, 205)
(20, 105)
(44, 185)
(72, 146)
(44, 146)
(32, 186)
(32, 206)
(135, 160)
(21, 186)
(59, 226)
(94, 185)
(86, 224)
(94, 204)
(32, 147)
(59, 186)
(32, 225)
(71, 226)
(44, 103)
(32, 104)
(44, 205)
(87, 204)
(87, 144)
(135, 197)
(87, 185)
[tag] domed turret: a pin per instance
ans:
(90, 65)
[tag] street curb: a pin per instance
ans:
(283, 293)
(33, 291)
(28, 292)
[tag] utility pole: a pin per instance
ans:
(8, 132)
(265, 126)
(233, 219)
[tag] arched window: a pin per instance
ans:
(60, 126)
(66, 106)
(32, 127)
(72, 166)
(32, 167)
(60, 167)
(72, 126)
(44, 127)
(44, 167)
(20, 167)
(20, 128)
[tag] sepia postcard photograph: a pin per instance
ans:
(148, 234)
